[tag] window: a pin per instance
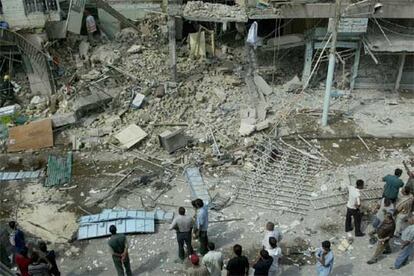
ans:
(1, 8)
(31, 6)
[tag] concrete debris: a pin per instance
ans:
(220, 12)
(135, 49)
(104, 54)
(138, 100)
(130, 136)
(172, 140)
(60, 120)
(84, 49)
(293, 85)
(262, 85)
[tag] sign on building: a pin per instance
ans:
(350, 25)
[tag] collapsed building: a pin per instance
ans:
(172, 104)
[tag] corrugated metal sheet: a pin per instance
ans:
(197, 185)
(5, 176)
(126, 221)
(59, 170)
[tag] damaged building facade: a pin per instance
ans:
(122, 111)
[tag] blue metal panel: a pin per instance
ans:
(196, 183)
(6, 176)
(126, 221)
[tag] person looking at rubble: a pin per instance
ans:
(385, 206)
(410, 182)
(393, 183)
(23, 261)
(17, 239)
(37, 267)
(50, 257)
(407, 245)
(403, 209)
(324, 259)
(196, 269)
(91, 27)
(353, 209)
(201, 225)
(275, 252)
(238, 265)
(271, 232)
(262, 264)
(385, 232)
(119, 248)
(183, 225)
(213, 260)
(7, 93)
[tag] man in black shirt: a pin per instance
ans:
(239, 265)
(262, 264)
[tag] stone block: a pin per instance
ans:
(95, 100)
(173, 140)
(59, 120)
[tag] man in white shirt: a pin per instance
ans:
(276, 253)
(352, 209)
(183, 225)
(213, 260)
(271, 232)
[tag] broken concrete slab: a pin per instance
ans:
(292, 85)
(135, 49)
(94, 100)
(60, 120)
(173, 140)
(35, 135)
(247, 121)
(84, 49)
(262, 85)
(263, 125)
(130, 136)
(138, 100)
(246, 128)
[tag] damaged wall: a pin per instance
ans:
(134, 10)
(17, 16)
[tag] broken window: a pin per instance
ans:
(31, 6)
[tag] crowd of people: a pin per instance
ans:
(393, 220)
(30, 259)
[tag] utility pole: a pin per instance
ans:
(171, 10)
(331, 66)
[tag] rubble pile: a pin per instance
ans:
(214, 11)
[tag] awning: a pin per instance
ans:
(395, 44)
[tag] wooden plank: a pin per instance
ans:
(35, 135)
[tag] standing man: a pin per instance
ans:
(393, 183)
(17, 239)
(353, 209)
(38, 268)
(119, 248)
(7, 93)
(324, 259)
(238, 265)
(407, 246)
(23, 261)
(50, 257)
(385, 232)
(385, 206)
(275, 252)
(410, 181)
(201, 225)
(183, 225)
(196, 269)
(403, 209)
(91, 27)
(213, 260)
(271, 232)
(262, 264)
